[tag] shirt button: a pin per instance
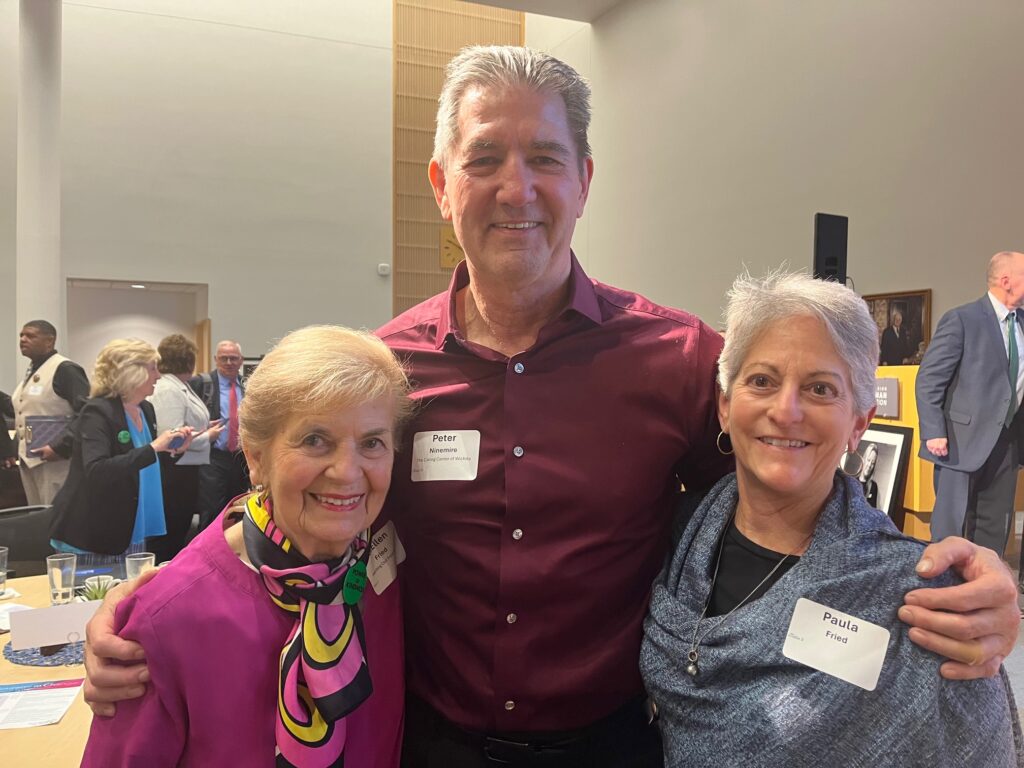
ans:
(518, 451)
(519, 368)
(511, 618)
(517, 534)
(510, 705)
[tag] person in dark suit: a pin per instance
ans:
(112, 498)
(895, 345)
(226, 476)
(969, 392)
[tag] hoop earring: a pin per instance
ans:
(718, 443)
(846, 458)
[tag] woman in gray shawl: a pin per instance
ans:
(773, 637)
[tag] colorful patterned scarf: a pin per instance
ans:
(324, 675)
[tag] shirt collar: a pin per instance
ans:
(582, 300)
(1001, 309)
(34, 366)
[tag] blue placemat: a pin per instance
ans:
(72, 653)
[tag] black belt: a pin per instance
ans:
(555, 748)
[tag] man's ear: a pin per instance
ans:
(438, 183)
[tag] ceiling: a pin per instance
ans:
(578, 10)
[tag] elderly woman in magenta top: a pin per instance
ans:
(112, 499)
(268, 642)
(773, 636)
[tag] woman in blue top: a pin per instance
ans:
(112, 498)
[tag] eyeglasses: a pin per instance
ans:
(229, 359)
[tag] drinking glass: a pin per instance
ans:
(61, 570)
(3, 569)
(137, 563)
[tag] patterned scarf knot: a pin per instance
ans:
(323, 671)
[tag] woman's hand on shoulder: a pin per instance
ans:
(115, 668)
(975, 624)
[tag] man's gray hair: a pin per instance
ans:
(507, 66)
(999, 265)
(754, 305)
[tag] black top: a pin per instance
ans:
(743, 565)
(95, 509)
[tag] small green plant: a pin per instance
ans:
(97, 590)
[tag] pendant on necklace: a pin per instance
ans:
(691, 667)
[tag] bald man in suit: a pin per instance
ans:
(969, 391)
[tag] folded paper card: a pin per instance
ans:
(51, 626)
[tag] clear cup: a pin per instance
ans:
(61, 570)
(3, 569)
(138, 562)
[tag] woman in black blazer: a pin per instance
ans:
(112, 498)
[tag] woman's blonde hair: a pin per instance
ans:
(121, 367)
(317, 369)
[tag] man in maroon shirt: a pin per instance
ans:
(557, 418)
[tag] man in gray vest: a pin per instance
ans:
(52, 392)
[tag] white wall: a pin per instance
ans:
(242, 145)
(96, 316)
(721, 126)
(10, 367)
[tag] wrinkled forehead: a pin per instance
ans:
(485, 108)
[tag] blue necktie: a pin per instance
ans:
(1013, 368)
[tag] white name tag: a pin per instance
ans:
(386, 552)
(35, 389)
(836, 643)
(451, 455)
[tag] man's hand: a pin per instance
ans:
(107, 680)
(938, 446)
(975, 624)
(46, 453)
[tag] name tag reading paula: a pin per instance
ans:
(449, 455)
(836, 643)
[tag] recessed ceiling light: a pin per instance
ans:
(138, 285)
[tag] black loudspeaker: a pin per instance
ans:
(830, 232)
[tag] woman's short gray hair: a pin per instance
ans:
(754, 305)
(507, 66)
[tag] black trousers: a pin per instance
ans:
(181, 502)
(624, 739)
(221, 480)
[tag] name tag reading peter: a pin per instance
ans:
(836, 643)
(451, 455)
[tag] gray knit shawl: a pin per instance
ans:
(751, 706)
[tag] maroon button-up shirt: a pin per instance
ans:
(526, 587)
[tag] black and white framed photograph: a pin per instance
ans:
(249, 365)
(884, 454)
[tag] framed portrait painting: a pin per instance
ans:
(884, 453)
(904, 323)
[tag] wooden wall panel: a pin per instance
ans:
(428, 33)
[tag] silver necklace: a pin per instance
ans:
(691, 658)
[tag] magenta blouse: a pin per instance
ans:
(212, 638)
